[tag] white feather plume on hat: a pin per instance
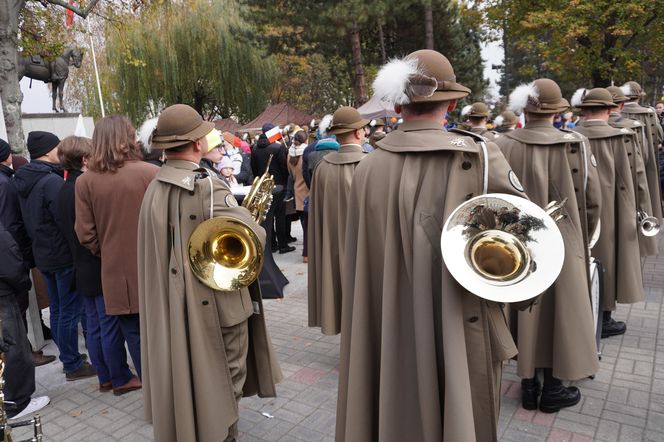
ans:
(519, 97)
(324, 124)
(393, 80)
(626, 89)
(145, 133)
(498, 121)
(466, 110)
(577, 98)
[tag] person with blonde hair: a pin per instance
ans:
(108, 202)
(103, 337)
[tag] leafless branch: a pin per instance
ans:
(75, 9)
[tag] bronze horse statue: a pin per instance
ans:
(51, 71)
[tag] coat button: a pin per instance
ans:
(469, 196)
(622, 187)
(192, 216)
(473, 319)
(191, 192)
(575, 170)
(206, 302)
(174, 271)
(466, 165)
(572, 151)
(576, 189)
(629, 153)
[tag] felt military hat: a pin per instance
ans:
(178, 125)
(542, 96)
(377, 122)
(422, 76)
(617, 94)
(478, 110)
(509, 118)
(589, 98)
(632, 89)
(346, 119)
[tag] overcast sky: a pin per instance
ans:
(38, 99)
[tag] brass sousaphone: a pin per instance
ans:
(224, 252)
(503, 248)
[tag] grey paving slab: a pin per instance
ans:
(624, 402)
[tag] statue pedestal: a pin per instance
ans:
(61, 124)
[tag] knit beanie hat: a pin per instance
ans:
(40, 143)
(5, 150)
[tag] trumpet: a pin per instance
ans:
(504, 248)
(649, 225)
(224, 253)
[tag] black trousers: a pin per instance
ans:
(19, 367)
(280, 219)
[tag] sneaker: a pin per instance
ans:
(85, 371)
(613, 328)
(36, 404)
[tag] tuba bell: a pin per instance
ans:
(648, 225)
(503, 248)
(224, 253)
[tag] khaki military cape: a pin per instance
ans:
(618, 245)
(484, 132)
(558, 332)
(187, 386)
(328, 202)
(648, 245)
(421, 358)
(652, 136)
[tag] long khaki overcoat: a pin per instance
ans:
(558, 332)
(107, 208)
(652, 136)
(648, 245)
(187, 386)
(421, 358)
(618, 244)
(328, 202)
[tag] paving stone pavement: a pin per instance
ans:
(625, 401)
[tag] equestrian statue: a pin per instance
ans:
(51, 71)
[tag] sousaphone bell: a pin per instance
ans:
(503, 248)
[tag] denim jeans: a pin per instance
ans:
(106, 343)
(131, 330)
(65, 307)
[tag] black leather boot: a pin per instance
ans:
(555, 395)
(611, 327)
(530, 390)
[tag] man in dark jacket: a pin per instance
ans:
(279, 170)
(10, 216)
(38, 185)
(19, 371)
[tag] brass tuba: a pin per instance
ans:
(6, 427)
(648, 225)
(503, 248)
(224, 253)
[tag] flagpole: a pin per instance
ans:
(94, 61)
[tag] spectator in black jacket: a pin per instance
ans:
(19, 372)
(10, 217)
(103, 337)
(279, 170)
(38, 185)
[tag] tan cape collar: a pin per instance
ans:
(425, 136)
(597, 129)
(347, 154)
(543, 133)
(636, 108)
(180, 173)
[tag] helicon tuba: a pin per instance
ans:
(6, 427)
(224, 253)
(648, 225)
(503, 248)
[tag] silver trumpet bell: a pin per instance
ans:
(649, 225)
(503, 248)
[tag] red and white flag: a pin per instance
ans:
(274, 134)
(70, 15)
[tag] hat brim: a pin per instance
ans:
(171, 141)
(347, 127)
(478, 115)
(592, 104)
(453, 91)
(556, 108)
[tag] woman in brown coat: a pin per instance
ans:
(301, 190)
(108, 201)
